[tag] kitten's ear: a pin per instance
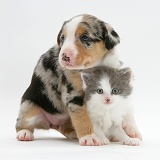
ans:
(127, 74)
(85, 80)
(111, 37)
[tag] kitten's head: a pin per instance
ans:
(107, 86)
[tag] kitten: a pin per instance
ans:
(108, 98)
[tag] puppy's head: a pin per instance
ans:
(84, 41)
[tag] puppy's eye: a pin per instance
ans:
(85, 38)
(100, 91)
(62, 38)
(115, 91)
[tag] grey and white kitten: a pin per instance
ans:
(108, 98)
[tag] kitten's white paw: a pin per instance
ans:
(25, 135)
(132, 131)
(132, 142)
(104, 141)
(90, 140)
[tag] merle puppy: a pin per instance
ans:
(55, 96)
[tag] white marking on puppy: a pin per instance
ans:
(69, 43)
(112, 60)
(25, 135)
(71, 28)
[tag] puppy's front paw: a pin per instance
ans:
(90, 140)
(132, 131)
(25, 135)
(132, 142)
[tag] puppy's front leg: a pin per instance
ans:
(78, 112)
(83, 126)
(130, 127)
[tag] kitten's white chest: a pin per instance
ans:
(100, 116)
(111, 119)
(107, 121)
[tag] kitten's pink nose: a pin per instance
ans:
(108, 100)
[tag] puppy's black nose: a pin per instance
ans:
(65, 58)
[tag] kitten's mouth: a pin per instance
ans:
(108, 101)
(107, 105)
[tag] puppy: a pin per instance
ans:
(55, 98)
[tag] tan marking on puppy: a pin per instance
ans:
(80, 31)
(34, 118)
(25, 126)
(89, 57)
(79, 116)
(76, 80)
(43, 125)
(32, 112)
(64, 32)
(81, 122)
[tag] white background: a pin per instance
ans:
(28, 28)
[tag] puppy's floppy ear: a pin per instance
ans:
(111, 37)
(58, 37)
(59, 34)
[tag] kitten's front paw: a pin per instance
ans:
(132, 142)
(104, 141)
(90, 140)
(132, 131)
(25, 135)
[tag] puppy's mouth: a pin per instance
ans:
(70, 66)
(75, 66)
(67, 64)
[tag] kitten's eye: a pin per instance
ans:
(100, 91)
(115, 91)
(85, 38)
(62, 38)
